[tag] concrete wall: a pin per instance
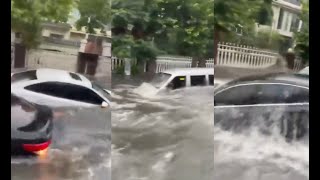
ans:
(63, 60)
(50, 59)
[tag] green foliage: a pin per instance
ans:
(94, 14)
(264, 39)
(120, 70)
(27, 15)
(143, 29)
(231, 15)
(135, 69)
(302, 37)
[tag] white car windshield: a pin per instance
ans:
(160, 79)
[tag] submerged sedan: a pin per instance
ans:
(31, 127)
(270, 103)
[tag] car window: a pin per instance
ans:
(262, 94)
(211, 80)
(282, 93)
(198, 80)
(237, 95)
(67, 91)
(178, 82)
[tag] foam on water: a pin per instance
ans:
(164, 136)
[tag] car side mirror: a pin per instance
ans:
(104, 104)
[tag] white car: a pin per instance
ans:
(183, 77)
(58, 88)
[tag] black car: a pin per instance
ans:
(31, 127)
(270, 103)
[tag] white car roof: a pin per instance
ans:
(189, 71)
(46, 74)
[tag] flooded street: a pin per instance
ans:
(161, 137)
(252, 153)
(80, 149)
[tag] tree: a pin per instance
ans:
(302, 37)
(94, 14)
(229, 13)
(152, 27)
(189, 27)
(27, 16)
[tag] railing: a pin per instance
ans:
(116, 63)
(170, 62)
(165, 62)
(244, 56)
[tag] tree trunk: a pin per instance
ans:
(194, 62)
(216, 40)
(202, 62)
(290, 57)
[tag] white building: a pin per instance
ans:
(285, 17)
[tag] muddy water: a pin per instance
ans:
(162, 137)
(250, 154)
(80, 150)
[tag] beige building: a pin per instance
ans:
(285, 17)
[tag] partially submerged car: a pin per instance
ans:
(58, 88)
(183, 77)
(31, 127)
(268, 102)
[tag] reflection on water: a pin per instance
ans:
(162, 136)
(80, 150)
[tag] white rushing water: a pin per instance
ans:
(252, 155)
(162, 136)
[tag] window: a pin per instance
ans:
(280, 18)
(237, 95)
(282, 93)
(67, 91)
(160, 79)
(295, 23)
(27, 75)
(56, 36)
(262, 94)
(198, 80)
(211, 80)
(178, 82)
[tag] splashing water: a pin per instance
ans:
(162, 136)
(247, 151)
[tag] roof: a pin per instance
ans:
(46, 74)
(190, 71)
(295, 79)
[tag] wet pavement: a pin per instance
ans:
(161, 137)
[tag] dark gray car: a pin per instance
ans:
(269, 103)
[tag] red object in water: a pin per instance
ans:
(36, 147)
